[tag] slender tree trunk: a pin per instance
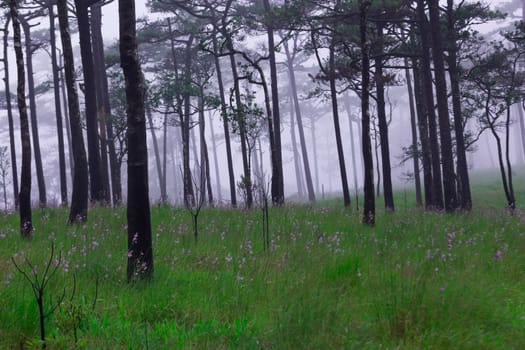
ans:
(104, 111)
(164, 184)
(296, 160)
(140, 251)
(338, 140)
(314, 148)
(413, 128)
(95, 173)
(512, 201)
(226, 127)
(277, 166)
(352, 147)
(42, 198)
(215, 160)
(369, 202)
(26, 224)
(376, 153)
(521, 117)
(205, 159)
(437, 186)
(383, 125)
(66, 116)
(447, 157)
(464, 195)
(14, 169)
(422, 114)
(58, 107)
(300, 128)
(79, 198)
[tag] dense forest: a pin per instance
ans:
(237, 103)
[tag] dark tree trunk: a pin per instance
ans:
(338, 140)
(225, 123)
(140, 251)
(413, 128)
(95, 174)
(42, 198)
(300, 128)
(464, 195)
(205, 159)
(314, 149)
(422, 115)
(277, 165)
(104, 110)
(164, 184)
(14, 170)
(26, 224)
(79, 198)
(66, 116)
(437, 186)
(58, 106)
(369, 202)
(447, 157)
(383, 124)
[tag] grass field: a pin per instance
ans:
(415, 281)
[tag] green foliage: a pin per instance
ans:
(415, 281)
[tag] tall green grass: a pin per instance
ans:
(415, 281)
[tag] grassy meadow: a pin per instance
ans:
(415, 281)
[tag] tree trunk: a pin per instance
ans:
(14, 170)
(26, 225)
(140, 251)
(66, 116)
(215, 160)
(58, 107)
(205, 159)
(413, 128)
(437, 186)
(95, 172)
(296, 160)
(383, 125)
(339, 142)
(464, 195)
(42, 198)
(369, 202)
(277, 165)
(304, 151)
(104, 109)
(421, 109)
(352, 149)
(79, 197)
(226, 127)
(447, 157)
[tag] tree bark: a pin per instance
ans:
(298, 114)
(26, 224)
(369, 202)
(79, 198)
(447, 157)
(14, 169)
(421, 109)
(140, 251)
(383, 125)
(413, 128)
(338, 140)
(277, 165)
(58, 106)
(107, 146)
(42, 198)
(437, 186)
(95, 174)
(464, 195)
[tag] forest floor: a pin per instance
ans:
(417, 280)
